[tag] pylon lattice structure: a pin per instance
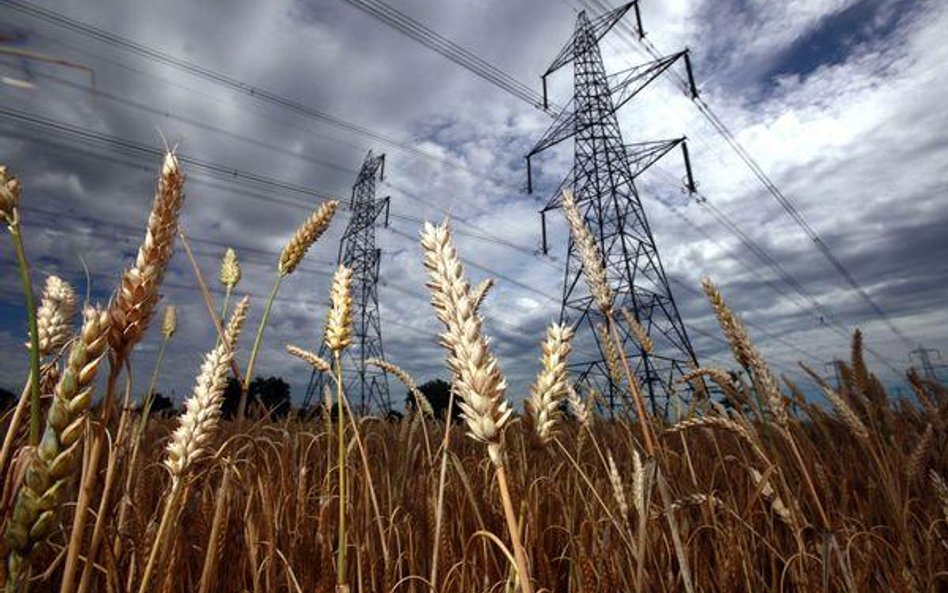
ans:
(365, 386)
(603, 180)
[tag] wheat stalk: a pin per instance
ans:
(304, 237)
(56, 459)
(9, 211)
(549, 388)
(478, 378)
(196, 426)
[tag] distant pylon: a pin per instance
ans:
(365, 386)
(929, 368)
(603, 181)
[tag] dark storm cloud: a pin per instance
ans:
(92, 201)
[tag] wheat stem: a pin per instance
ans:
(258, 341)
(24, 266)
(341, 566)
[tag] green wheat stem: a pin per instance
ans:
(150, 394)
(245, 388)
(35, 420)
(227, 291)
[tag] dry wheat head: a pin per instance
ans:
(202, 409)
(134, 304)
(478, 379)
(9, 194)
(229, 273)
(237, 318)
(338, 335)
(549, 388)
(589, 253)
(169, 322)
(578, 408)
(55, 315)
(314, 360)
(747, 354)
(409, 383)
(307, 234)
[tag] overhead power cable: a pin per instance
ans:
(228, 81)
(450, 50)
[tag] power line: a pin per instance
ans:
(450, 50)
(220, 171)
(228, 81)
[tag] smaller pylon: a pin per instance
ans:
(365, 386)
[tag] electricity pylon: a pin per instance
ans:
(603, 182)
(365, 386)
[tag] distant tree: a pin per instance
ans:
(7, 399)
(272, 392)
(162, 405)
(438, 393)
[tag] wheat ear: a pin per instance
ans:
(423, 404)
(134, 303)
(55, 314)
(229, 273)
(618, 487)
(640, 333)
(846, 413)
(338, 335)
(319, 364)
(594, 272)
(478, 378)
(481, 291)
(9, 195)
(305, 236)
(480, 383)
(578, 408)
(747, 354)
(195, 427)
(56, 459)
(549, 388)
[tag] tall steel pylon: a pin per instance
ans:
(603, 181)
(364, 385)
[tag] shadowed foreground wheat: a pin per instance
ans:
(761, 490)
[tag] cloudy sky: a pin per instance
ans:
(840, 101)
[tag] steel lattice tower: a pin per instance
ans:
(603, 182)
(367, 386)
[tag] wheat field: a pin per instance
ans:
(753, 488)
